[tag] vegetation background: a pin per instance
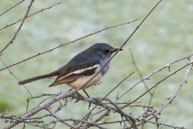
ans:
(166, 36)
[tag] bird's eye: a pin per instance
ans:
(107, 51)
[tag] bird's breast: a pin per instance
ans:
(103, 63)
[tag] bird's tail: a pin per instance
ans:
(38, 78)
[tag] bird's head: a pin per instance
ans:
(103, 49)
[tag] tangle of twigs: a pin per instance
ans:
(101, 107)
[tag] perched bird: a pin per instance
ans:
(81, 68)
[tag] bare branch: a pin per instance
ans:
(28, 91)
(59, 119)
(61, 45)
(19, 28)
(157, 84)
(147, 77)
(12, 7)
(30, 15)
(140, 75)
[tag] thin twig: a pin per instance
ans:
(171, 99)
(157, 84)
(59, 119)
(124, 43)
(19, 28)
(9, 25)
(12, 74)
(89, 113)
(166, 125)
(61, 45)
(12, 7)
(147, 77)
(140, 75)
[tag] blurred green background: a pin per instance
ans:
(164, 37)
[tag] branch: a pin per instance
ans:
(61, 45)
(9, 25)
(12, 7)
(147, 77)
(37, 109)
(171, 99)
(157, 84)
(59, 119)
(19, 28)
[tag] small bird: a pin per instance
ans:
(81, 68)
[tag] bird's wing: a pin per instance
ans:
(74, 70)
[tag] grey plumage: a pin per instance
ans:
(81, 67)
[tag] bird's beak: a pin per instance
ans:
(115, 49)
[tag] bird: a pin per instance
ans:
(80, 70)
